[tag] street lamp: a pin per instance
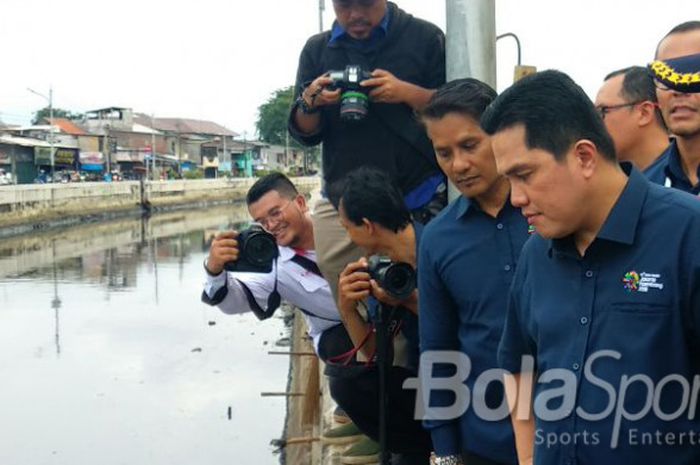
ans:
(50, 100)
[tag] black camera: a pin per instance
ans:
(354, 101)
(257, 249)
(397, 279)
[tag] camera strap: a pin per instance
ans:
(308, 264)
(273, 300)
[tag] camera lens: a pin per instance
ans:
(354, 106)
(399, 280)
(260, 248)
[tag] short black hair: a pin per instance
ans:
(468, 97)
(678, 29)
(271, 182)
(555, 112)
(370, 193)
(638, 86)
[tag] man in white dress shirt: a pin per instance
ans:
(274, 202)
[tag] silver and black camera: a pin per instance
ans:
(354, 101)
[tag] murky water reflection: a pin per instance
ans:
(108, 357)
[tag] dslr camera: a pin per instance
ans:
(257, 249)
(397, 279)
(354, 99)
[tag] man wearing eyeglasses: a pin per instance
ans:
(627, 103)
(274, 202)
(681, 111)
(406, 58)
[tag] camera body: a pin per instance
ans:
(257, 249)
(354, 99)
(398, 279)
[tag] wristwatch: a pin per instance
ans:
(304, 107)
(449, 460)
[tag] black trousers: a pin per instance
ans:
(334, 342)
(358, 394)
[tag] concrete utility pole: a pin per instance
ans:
(50, 100)
(224, 158)
(471, 40)
(153, 148)
(321, 9)
(471, 44)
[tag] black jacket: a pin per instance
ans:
(390, 137)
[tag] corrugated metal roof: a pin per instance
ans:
(184, 125)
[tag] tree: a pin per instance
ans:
(272, 123)
(57, 113)
(272, 117)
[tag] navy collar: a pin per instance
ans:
(622, 221)
(339, 33)
(465, 205)
(674, 168)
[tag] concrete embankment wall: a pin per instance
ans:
(44, 203)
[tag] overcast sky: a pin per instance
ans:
(219, 60)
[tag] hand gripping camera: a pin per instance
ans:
(257, 250)
(397, 279)
(354, 101)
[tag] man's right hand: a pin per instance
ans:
(317, 94)
(353, 285)
(224, 249)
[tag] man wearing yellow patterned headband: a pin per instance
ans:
(680, 109)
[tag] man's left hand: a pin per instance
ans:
(411, 302)
(387, 88)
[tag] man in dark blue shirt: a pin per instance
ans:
(628, 105)
(604, 309)
(681, 110)
(466, 263)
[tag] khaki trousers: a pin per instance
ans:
(334, 249)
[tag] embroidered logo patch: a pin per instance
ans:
(631, 281)
(642, 282)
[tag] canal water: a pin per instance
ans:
(107, 355)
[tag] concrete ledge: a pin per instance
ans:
(38, 203)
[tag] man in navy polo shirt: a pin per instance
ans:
(680, 106)
(605, 304)
(466, 263)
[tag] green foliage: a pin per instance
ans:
(57, 113)
(193, 174)
(272, 123)
(272, 117)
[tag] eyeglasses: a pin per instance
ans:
(276, 215)
(350, 3)
(605, 109)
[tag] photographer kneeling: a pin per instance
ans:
(248, 272)
(373, 212)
